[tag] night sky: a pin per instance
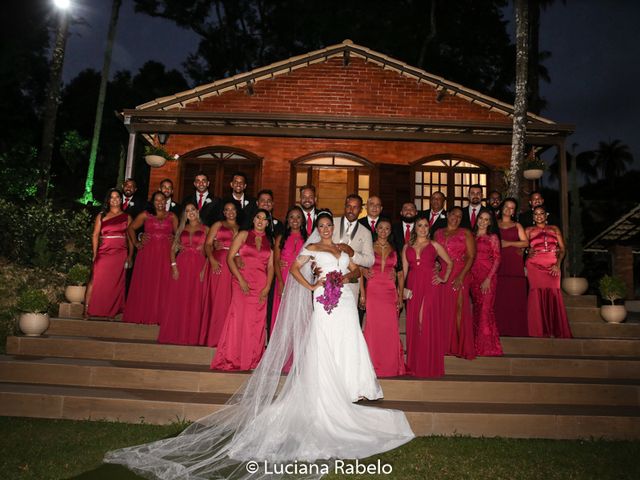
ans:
(594, 67)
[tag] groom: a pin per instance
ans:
(353, 238)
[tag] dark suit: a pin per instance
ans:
(174, 207)
(398, 236)
(364, 221)
(526, 219)
(247, 211)
(136, 205)
(466, 218)
(209, 213)
(438, 223)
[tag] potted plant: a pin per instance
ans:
(575, 284)
(156, 156)
(613, 288)
(77, 279)
(33, 320)
(534, 168)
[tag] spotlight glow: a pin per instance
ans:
(62, 4)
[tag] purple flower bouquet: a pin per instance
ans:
(332, 291)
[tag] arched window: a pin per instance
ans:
(219, 164)
(335, 175)
(450, 175)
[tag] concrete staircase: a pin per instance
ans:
(585, 387)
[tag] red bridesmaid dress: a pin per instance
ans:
(180, 323)
(511, 302)
(456, 305)
(147, 295)
(381, 329)
(426, 327)
(108, 274)
(547, 315)
(288, 254)
(243, 336)
(217, 292)
(485, 265)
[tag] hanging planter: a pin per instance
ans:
(533, 173)
(534, 167)
(155, 156)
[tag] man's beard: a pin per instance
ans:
(409, 219)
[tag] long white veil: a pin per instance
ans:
(202, 451)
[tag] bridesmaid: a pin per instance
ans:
(456, 301)
(383, 302)
(547, 315)
(111, 257)
(183, 313)
(483, 286)
(217, 276)
(511, 302)
(147, 295)
(426, 327)
(287, 247)
(243, 336)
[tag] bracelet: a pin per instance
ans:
(173, 264)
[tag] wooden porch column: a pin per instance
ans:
(128, 169)
(564, 198)
(622, 257)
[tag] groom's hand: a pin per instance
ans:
(343, 247)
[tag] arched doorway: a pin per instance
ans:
(219, 164)
(450, 174)
(335, 175)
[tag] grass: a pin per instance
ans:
(64, 449)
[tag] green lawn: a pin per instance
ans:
(62, 449)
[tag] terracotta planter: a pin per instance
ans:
(33, 324)
(533, 174)
(155, 160)
(613, 313)
(575, 285)
(75, 293)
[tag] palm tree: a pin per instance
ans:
(612, 159)
(585, 164)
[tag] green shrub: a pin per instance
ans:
(78, 275)
(33, 301)
(161, 152)
(535, 163)
(612, 288)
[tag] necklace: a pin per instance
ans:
(382, 245)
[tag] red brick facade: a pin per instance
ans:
(360, 89)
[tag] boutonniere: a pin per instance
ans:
(441, 216)
(173, 204)
(131, 203)
(245, 203)
(208, 200)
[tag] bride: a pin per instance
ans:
(311, 418)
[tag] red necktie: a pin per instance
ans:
(200, 202)
(407, 234)
(433, 217)
(309, 223)
(373, 225)
(473, 217)
(126, 203)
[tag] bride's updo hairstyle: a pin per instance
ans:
(323, 214)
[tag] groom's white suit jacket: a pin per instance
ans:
(360, 240)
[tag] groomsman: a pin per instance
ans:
(402, 230)
(132, 203)
(472, 211)
(436, 214)
(166, 187)
(535, 200)
(494, 200)
(207, 204)
(374, 209)
(308, 201)
(265, 202)
(238, 186)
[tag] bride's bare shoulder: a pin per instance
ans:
(313, 247)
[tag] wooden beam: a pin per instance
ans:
(564, 197)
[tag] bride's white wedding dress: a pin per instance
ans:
(311, 419)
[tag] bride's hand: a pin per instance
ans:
(318, 284)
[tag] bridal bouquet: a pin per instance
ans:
(332, 291)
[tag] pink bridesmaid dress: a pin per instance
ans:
(180, 323)
(546, 312)
(147, 295)
(456, 305)
(426, 328)
(381, 330)
(108, 275)
(511, 301)
(288, 254)
(244, 333)
(217, 292)
(485, 265)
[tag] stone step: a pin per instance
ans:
(511, 345)
(580, 301)
(147, 351)
(426, 418)
(187, 378)
(584, 314)
(628, 330)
